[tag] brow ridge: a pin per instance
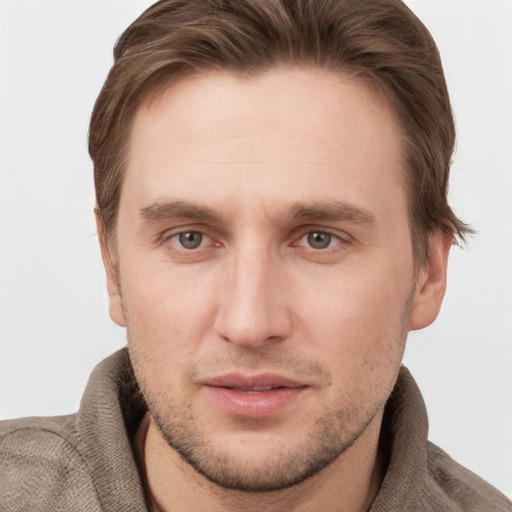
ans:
(332, 211)
(178, 209)
(317, 211)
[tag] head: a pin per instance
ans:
(271, 182)
(381, 42)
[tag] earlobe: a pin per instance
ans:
(114, 295)
(431, 284)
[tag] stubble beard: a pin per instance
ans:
(327, 440)
(331, 435)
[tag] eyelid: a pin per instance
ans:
(168, 234)
(334, 242)
(298, 234)
(342, 236)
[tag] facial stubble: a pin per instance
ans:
(333, 433)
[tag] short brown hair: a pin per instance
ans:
(379, 40)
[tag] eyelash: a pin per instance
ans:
(167, 236)
(332, 237)
(340, 240)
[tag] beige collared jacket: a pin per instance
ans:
(84, 462)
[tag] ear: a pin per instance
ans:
(114, 294)
(431, 283)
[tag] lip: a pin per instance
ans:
(253, 396)
(240, 381)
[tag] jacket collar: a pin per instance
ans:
(112, 408)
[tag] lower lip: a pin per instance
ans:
(254, 405)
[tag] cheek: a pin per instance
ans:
(358, 321)
(168, 314)
(163, 336)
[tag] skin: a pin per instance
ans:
(270, 169)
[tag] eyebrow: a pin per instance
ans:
(318, 211)
(178, 210)
(332, 211)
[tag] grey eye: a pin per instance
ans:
(191, 239)
(319, 239)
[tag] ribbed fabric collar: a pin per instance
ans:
(404, 438)
(112, 408)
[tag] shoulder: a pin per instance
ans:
(449, 483)
(41, 467)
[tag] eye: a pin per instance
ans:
(189, 239)
(319, 239)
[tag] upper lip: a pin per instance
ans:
(241, 381)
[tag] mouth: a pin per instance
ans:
(256, 389)
(259, 396)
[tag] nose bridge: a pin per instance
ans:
(252, 303)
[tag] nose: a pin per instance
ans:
(253, 301)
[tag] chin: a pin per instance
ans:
(240, 464)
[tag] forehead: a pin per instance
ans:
(289, 135)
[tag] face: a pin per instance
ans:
(266, 273)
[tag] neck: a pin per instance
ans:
(350, 483)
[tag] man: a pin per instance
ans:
(271, 201)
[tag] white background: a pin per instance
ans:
(54, 325)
